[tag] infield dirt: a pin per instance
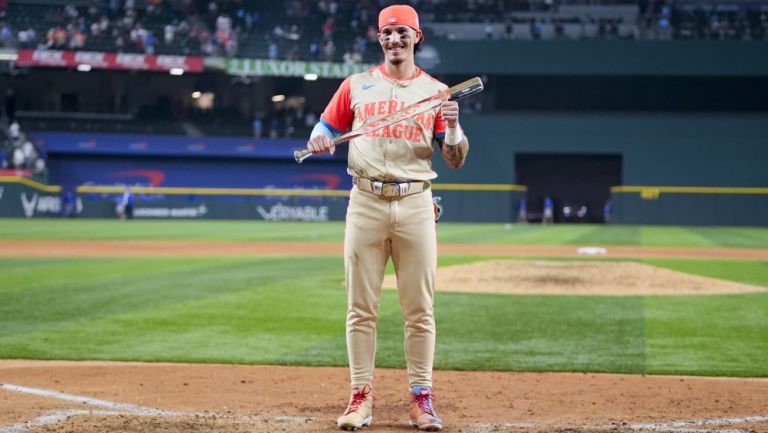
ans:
(237, 398)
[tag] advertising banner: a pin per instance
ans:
(207, 207)
(286, 68)
(21, 201)
(112, 61)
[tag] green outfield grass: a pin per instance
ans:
(748, 237)
(290, 310)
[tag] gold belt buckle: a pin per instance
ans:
(390, 190)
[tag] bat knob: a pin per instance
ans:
(301, 155)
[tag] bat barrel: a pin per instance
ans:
(462, 90)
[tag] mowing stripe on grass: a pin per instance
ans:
(333, 231)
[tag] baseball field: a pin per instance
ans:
(171, 326)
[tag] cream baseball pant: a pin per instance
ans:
(404, 229)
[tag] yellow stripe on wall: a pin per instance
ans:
(280, 192)
(214, 191)
(246, 191)
(690, 189)
(478, 187)
(30, 183)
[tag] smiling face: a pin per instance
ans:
(398, 42)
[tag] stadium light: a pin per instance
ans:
(310, 77)
(176, 71)
(278, 98)
(196, 94)
(83, 68)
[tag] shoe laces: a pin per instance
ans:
(358, 398)
(424, 401)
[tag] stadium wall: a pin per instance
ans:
(700, 153)
(676, 169)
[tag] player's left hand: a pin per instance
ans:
(450, 110)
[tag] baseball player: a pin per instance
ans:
(390, 211)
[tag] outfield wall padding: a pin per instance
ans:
(656, 206)
(23, 198)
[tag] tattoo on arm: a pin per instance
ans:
(454, 156)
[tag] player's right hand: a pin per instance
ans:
(320, 144)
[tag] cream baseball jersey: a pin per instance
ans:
(399, 152)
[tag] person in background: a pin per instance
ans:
(607, 211)
(125, 205)
(522, 213)
(548, 216)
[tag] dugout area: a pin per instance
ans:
(578, 184)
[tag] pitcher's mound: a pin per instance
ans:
(539, 277)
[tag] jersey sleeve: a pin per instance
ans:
(338, 115)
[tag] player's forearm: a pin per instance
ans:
(454, 155)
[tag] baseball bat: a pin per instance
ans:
(455, 93)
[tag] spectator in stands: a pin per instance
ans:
(169, 32)
(370, 34)
(328, 28)
(77, 40)
(30, 154)
(314, 50)
(257, 127)
(360, 45)
(328, 50)
(57, 37)
(39, 167)
(536, 29)
(17, 160)
(272, 51)
(6, 35)
(14, 131)
(347, 58)
(26, 38)
(488, 29)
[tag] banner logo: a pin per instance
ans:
(280, 212)
(28, 205)
(45, 204)
(113, 61)
(169, 212)
(290, 68)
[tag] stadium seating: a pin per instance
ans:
(297, 29)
